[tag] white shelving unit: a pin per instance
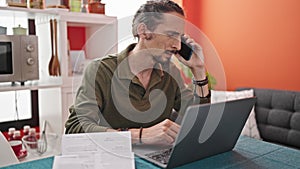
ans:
(56, 93)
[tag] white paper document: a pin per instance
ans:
(96, 151)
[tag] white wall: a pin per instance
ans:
(124, 10)
(9, 21)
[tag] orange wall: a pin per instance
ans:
(258, 41)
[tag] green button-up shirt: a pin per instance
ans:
(111, 96)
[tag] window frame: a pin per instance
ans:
(33, 121)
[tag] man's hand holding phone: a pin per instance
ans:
(191, 53)
(186, 50)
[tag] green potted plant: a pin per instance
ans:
(188, 75)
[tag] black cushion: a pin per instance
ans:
(278, 115)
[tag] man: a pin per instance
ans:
(138, 89)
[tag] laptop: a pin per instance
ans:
(206, 130)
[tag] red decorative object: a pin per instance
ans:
(96, 7)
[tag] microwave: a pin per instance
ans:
(18, 58)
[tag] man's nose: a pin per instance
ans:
(176, 44)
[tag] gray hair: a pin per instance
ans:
(151, 14)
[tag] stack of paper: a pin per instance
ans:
(96, 151)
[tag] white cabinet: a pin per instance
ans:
(56, 94)
(101, 39)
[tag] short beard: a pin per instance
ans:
(158, 59)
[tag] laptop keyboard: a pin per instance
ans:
(161, 156)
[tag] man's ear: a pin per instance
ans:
(143, 32)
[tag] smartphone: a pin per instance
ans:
(186, 50)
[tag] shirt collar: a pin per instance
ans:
(123, 68)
